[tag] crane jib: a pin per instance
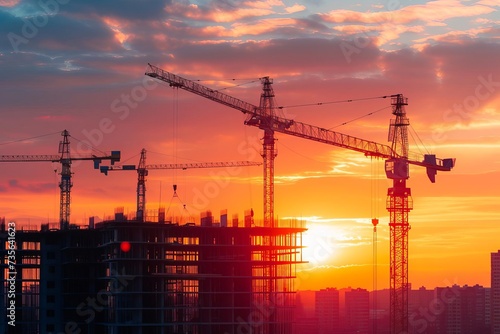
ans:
(258, 119)
(194, 87)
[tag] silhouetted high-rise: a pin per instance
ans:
(327, 310)
(357, 305)
(495, 293)
(462, 310)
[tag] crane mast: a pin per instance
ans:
(66, 184)
(398, 157)
(267, 106)
(143, 171)
(65, 159)
(399, 203)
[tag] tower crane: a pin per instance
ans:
(65, 159)
(397, 160)
(142, 172)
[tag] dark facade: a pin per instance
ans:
(495, 293)
(461, 310)
(327, 310)
(357, 304)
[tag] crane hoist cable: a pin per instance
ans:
(344, 101)
(418, 137)
(175, 135)
(334, 102)
(86, 143)
(159, 201)
(178, 156)
(360, 117)
(29, 138)
(184, 207)
(239, 85)
(56, 191)
(374, 192)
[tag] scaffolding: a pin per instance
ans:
(201, 279)
(198, 278)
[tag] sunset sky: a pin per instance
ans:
(79, 65)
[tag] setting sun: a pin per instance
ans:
(320, 243)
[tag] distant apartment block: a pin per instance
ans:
(357, 305)
(460, 310)
(327, 310)
(495, 293)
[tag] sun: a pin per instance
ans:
(320, 243)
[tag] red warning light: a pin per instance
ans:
(125, 246)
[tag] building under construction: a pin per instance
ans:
(125, 276)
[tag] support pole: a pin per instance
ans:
(142, 172)
(374, 297)
(65, 184)
(399, 204)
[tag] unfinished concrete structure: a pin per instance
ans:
(126, 276)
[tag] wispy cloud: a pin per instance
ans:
(16, 185)
(432, 11)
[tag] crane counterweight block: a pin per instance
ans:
(432, 165)
(449, 163)
(104, 170)
(97, 162)
(431, 172)
(115, 157)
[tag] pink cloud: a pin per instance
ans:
(193, 11)
(450, 37)
(9, 3)
(295, 8)
(488, 3)
(438, 10)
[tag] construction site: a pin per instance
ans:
(132, 274)
(129, 276)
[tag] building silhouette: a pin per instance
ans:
(305, 320)
(128, 277)
(495, 293)
(357, 308)
(461, 310)
(327, 310)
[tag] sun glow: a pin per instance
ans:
(320, 243)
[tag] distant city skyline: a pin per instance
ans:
(436, 310)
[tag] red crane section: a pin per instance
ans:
(398, 158)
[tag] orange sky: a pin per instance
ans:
(445, 64)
